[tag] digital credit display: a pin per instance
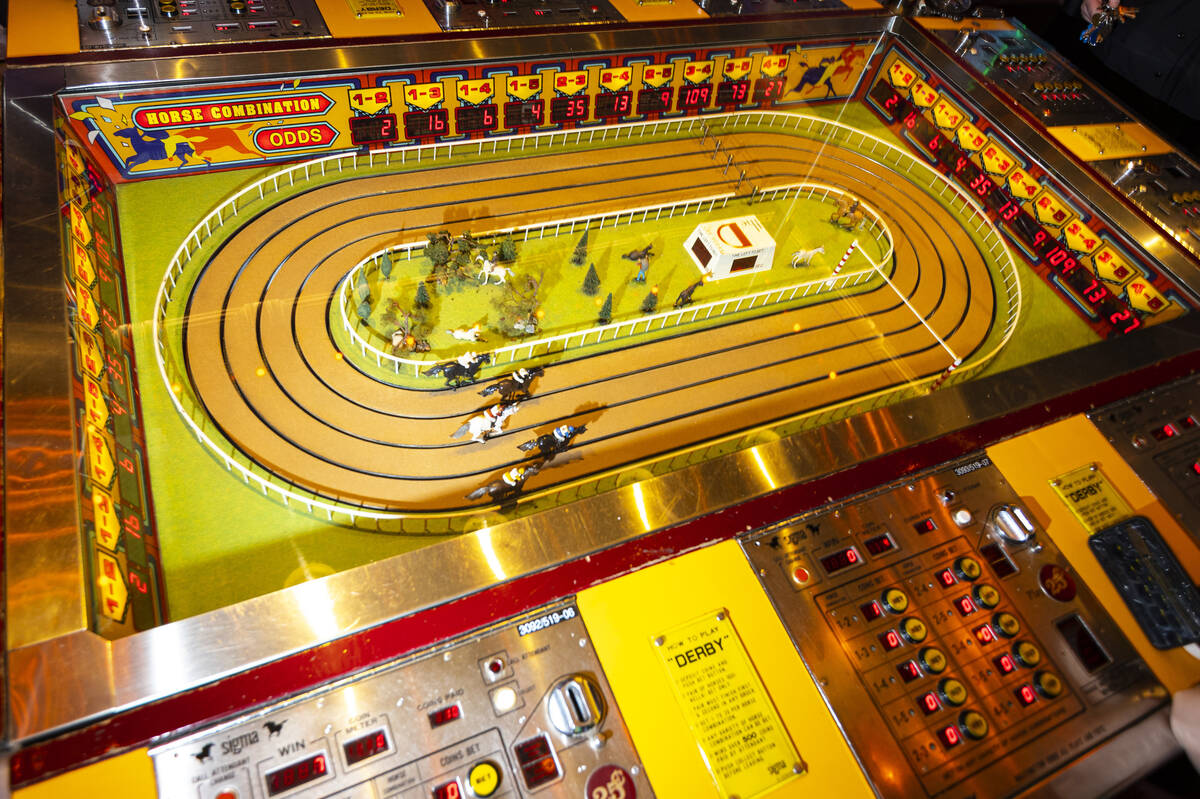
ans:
(470, 118)
(296, 774)
(733, 92)
(419, 124)
(694, 97)
(569, 109)
(445, 715)
(880, 544)
(523, 114)
(840, 560)
(373, 130)
(654, 101)
(614, 104)
(365, 746)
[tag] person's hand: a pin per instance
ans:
(1089, 8)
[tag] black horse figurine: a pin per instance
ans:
(514, 387)
(507, 486)
(457, 373)
(553, 443)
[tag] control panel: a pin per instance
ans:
(519, 710)
(1166, 187)
(1158, 434)
(454, 15)
(109, 24)
(1033, 75)
(950, 636)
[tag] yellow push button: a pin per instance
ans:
(986, 596)
(914, 630)
(895, 600)
(1007, 624)
(968, 568)
(953, 691)
(933, 660)
(973, 724)
(1048, 684)
(484, 778)
(1027, 654)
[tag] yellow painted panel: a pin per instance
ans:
(344, 24)
(46, 27)
(622, 617)
(1029, 462)
(130, 776)
(1096, 142)
(652, 10)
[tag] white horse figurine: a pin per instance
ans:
(466, 333)
(805, 257)
(488, 423)
(491, 269)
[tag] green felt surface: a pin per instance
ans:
(223, 541)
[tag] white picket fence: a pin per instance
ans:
(174, 375)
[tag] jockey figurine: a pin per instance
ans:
(465, 360)
(514, 478)
(563, 433)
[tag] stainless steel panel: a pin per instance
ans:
(903, 677)
(409, 728)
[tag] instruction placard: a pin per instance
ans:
(1091, 498)
(744, 743)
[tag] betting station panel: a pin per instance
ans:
(374, 409)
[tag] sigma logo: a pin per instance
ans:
(235, 745)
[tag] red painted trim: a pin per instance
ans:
(309, 669)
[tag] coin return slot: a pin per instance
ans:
(266, 23)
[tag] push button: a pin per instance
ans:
(914, 630)
(895, 600)
(932, 659)
(484, 778)
(1027, 654)
(986, 596)
(973, 724)
(968, 568)
(953, 691)
(1048, 684)
(1006, 624)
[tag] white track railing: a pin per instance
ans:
(373, 346)
(174, 377)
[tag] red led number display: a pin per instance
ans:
(929, 703)
(950, 736)
(964, 606)
(367, 746)
(448, 791)
(872, 610)
(298, 773)
(909, 670)
(984, 634)
(1006, 664)
(946, 578)
(1026, 695)
(890, 640)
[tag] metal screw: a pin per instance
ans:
(659, 641)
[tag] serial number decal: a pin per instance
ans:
(546, 620)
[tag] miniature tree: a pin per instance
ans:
(385, 265)
(508, 249)
(580, 254)
(364, 310)
(422, 298)
(606, 310)
(591, 282)
(651, 301)
(518, 305)
(438, 248)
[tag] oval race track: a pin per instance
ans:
(262, 361)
